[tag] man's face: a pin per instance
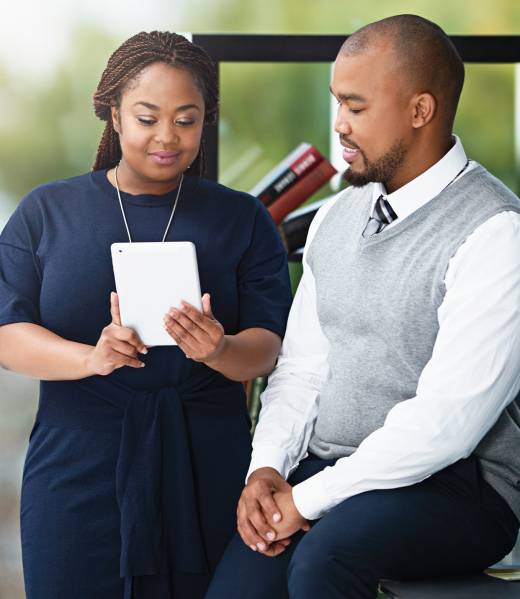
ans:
(373, 119)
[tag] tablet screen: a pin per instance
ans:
(151, 277)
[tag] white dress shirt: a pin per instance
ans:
(473, 373)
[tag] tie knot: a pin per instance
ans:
(382, 215)
(383, 211)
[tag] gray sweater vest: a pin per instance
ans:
(377, 302)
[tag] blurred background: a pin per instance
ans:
(52, 55)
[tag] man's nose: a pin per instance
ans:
(342, 123)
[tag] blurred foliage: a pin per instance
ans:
(485, 120)
(343, 16)
(48, 128)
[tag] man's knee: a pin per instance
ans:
(329, 569)
(303, 558)
(246, 574)
(314, 557)
(320, 559)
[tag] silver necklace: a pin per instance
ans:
(123, 212)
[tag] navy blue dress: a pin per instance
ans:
(131, 480)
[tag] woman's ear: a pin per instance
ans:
(116, 123)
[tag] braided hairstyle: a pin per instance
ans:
(124, 66)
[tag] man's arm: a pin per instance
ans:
(289, 409)
(473, 374)
(290, 401)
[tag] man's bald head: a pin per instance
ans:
(424, 54)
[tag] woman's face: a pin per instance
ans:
(159, 122)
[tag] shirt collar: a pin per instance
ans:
(427, 185)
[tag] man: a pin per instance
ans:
(388, 444)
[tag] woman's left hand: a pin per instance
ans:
(198, 334)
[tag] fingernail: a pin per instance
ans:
(142, 364)
(261, 546)
(253, 547)
(277, 517)
(270, 535)
(144, 350)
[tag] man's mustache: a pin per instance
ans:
(348, 141)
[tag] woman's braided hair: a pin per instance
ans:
(125, 64)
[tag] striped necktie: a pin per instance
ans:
(382, 215)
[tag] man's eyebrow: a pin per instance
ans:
(347, 97)
(155, 107)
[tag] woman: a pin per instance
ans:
(133, 473)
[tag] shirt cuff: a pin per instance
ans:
(270, 457)
(311, 498)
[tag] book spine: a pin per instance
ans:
(294, 233)
(301, 190)
(279, 169)
(298, 169)
(295, 225)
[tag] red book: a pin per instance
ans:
(279, 169)
(301, 190)
(297, 169)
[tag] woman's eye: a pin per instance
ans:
(356, 110)
(181, 122)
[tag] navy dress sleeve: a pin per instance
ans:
(263, 278)
(20, 272)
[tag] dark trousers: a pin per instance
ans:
(451, 523)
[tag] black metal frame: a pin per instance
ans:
(323, 48)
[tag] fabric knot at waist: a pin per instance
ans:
(160, 528)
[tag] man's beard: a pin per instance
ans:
(381, 170)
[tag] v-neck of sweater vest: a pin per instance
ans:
(416, 216)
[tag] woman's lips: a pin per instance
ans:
(165, 158)
(350, 154)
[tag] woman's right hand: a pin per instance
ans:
(117, 346)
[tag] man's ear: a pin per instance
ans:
(424, 107)
(116, 123)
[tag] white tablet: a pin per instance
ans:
(151, 277)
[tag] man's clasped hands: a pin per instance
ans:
(266, 514)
